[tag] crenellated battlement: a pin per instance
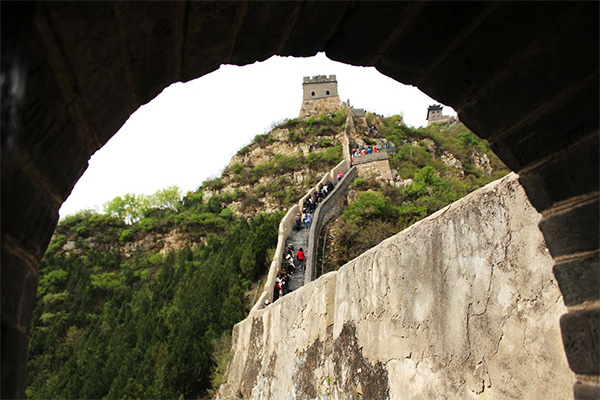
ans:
(319, 79)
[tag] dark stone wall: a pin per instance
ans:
(523, 75)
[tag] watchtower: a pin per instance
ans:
(319, 95)
(319, 87)
(435, 116)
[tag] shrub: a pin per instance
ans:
(243, 150)
(125, 236)
(284, 163)
(295, 136)
(370, 205)
(468, 138)
(292, 195)
(260, 190)
(260, 137)
(325, 131)
(237, 168)
(340, 116)
(226, 213)
(324, 143)
(215, 184)
(147, 224)
(221, 356)
(329, 157)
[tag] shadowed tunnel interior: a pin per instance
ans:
(522, 75)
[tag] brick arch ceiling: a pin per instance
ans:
(523, 75)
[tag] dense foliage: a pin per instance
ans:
(149, 325)
(380, 210)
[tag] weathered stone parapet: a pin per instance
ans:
(367, 158)
(459, 305)
(379, 169)
(331, 207)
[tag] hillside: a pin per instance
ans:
(432, 167)
(139, 301)
(278, 167)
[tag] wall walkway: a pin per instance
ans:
(331, 207)
(285, 228)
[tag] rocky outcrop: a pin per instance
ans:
(481, 161)
(452, 161)
(319, 106)
(163, 243)
(459, 305)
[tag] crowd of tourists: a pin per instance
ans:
(357, 152)
(364, 151)
(294, 261)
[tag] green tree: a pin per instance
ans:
(169, 198)
(130, 208)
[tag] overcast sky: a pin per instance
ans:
(190, 131)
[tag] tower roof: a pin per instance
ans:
(434, 107)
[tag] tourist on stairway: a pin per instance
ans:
(301, 259)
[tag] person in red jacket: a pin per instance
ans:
(301, 257)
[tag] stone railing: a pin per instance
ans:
(350, 127)
(331, 207)
(367, 158)
(285, 227)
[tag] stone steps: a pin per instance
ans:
(300, 240)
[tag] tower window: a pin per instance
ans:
(327, 92)
(312, 93)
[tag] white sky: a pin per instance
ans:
(189, 132)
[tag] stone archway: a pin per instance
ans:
(524, 76)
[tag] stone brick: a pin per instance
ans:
(550, 133)
(19, 288)
(316, 21)
(14, 362)
(105, 99)
(586, 392)
(534, 64)
(579, 280)
(261, 34)
(562, 177)
(27, 214)
(366, 26)
(205, 42)
(49, 129)
(14, 276)
(573, 231)
(29, 298)
(581, 336)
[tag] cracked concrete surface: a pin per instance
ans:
(460, 305)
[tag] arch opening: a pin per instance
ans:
(534, 97)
